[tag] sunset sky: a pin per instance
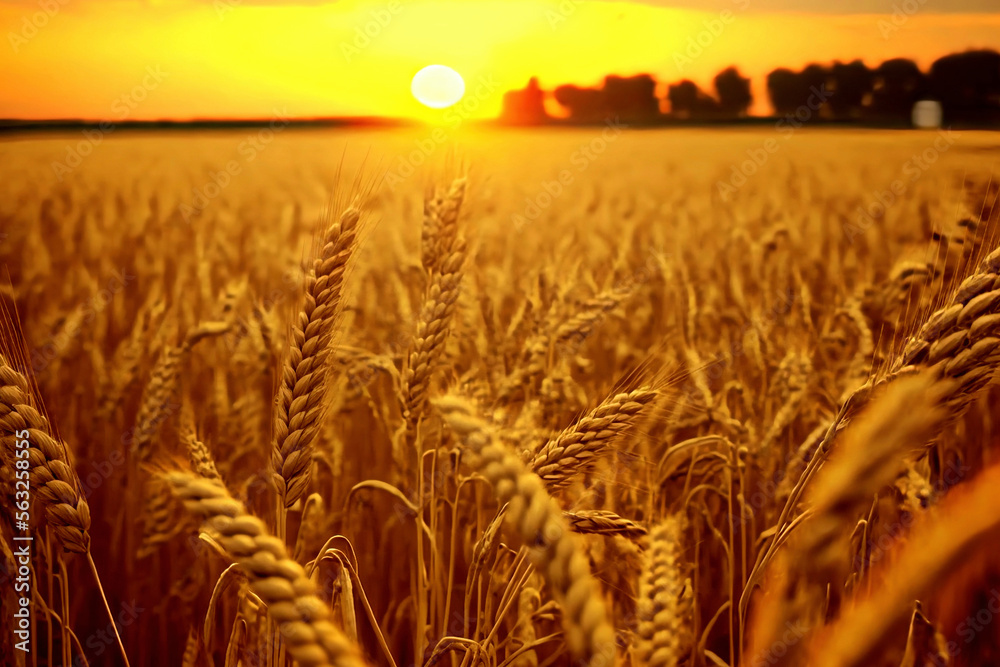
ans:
(180, 59)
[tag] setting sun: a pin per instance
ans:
(437, 86)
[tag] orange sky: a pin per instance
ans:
(126, 59)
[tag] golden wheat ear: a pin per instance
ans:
(603, 522)
(51, 470)
(538, 520)
(444, 254)
(25, 428)
(281, 583)
(575, 451)
(961, 340)
(663, 628)
(299, 402)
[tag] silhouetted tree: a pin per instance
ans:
(688, 101)
(782, 88)
(968, 86)
(525, 107)
(683, 96)
(812, 79)
(851, 85)
(633, 98)
(733, 92)
(898, 84)
(789, 90)
(583, 104)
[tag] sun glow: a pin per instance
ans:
(437, 86)
(318, 58)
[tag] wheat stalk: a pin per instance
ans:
(302, 618)
(538, 520)
(964, 524)
(52, 474)
(872, 454)
(603, 522)
(661, 625)
(299, 401)
(440, 228)
(432, 332)
(575, 450)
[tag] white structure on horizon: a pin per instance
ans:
(927, 114)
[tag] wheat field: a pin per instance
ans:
(593, 397)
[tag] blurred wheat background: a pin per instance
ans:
(534, 404)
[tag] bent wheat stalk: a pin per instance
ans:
(576, 449)
(536, 516)
(967, 522)
(603, 522)
(52, 473)
(161, 392)
(281, 583)
(959, 344)
(51, 470)
(872, 453)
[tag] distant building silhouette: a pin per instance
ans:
(927, 114)
(526, 106)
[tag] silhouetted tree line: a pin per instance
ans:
(967, 85)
